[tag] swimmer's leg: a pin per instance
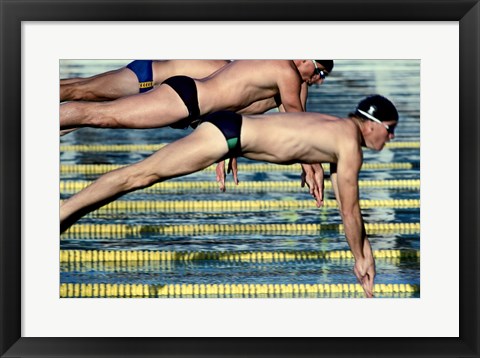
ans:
(103, 87)
(190, 154)
(159, 107)
(66, 81)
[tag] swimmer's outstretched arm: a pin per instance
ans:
(185, 156)
(346, 192)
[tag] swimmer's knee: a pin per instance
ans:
(142, 182)
(127, 179)
(137, 178)
(77, 92)
(100, 115)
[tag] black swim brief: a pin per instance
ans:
(187, 90)
(144, 72)
(230, 124)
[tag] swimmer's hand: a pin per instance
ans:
(220, 172)
(312, 175)
(364, 269)
(220, 175)
(232, 167)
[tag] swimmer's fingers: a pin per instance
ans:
(367, 285)
(232, 167)
(370, 270)
(315, 192)
(365, 273)
(303, 178)
(319, 182)
(220, 175)
(309, 178)
(317, 195)
(362, 281)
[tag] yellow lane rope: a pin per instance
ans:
(154, 147)
(212, 186)
(120, 230)
(222, 290)
(96, 169)
(141, 256)
(243, 205)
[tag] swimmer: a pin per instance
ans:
(180, 100)
(282, 138)
(137, 77)
(249, 86)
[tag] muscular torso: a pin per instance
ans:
(241, 83)
(303, 137)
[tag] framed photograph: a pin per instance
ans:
(422, 55)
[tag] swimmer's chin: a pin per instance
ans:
(374, 148)
(382, 146)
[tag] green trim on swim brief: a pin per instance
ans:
(232, 143)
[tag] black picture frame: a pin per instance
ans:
(13, 12)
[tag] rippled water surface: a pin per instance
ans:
(350, 81)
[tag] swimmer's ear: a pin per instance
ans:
(370, 126)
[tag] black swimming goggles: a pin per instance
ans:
(317, 71)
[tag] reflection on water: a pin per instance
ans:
(211, 272)
(350, 81)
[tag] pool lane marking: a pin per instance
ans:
(125, 256)
(93, 169)
(121, 230)
(223, 290)
(291, 185)
(154, 147)
(142, 206)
